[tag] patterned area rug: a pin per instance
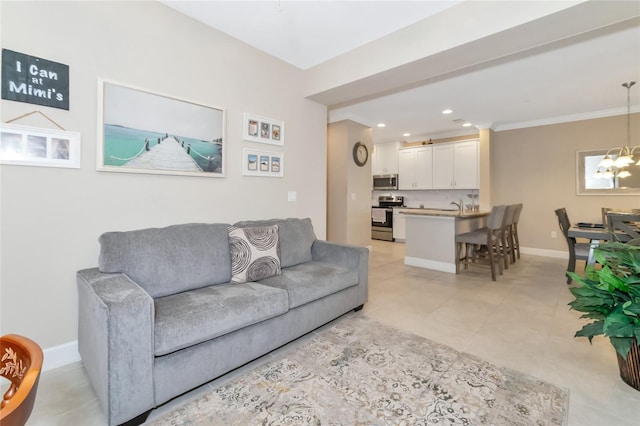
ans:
(360, 372)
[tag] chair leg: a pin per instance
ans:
(504, 250)
(571, 266)
(512, 245)
(492, 263)
(458, 253)
(466, 256)
(500, 257)
(516, 240)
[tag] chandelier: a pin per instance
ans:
(610, 167)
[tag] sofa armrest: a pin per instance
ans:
(347, 256)
(115, 341)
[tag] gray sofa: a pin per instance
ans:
(159, 316)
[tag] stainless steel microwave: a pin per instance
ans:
(385, 181)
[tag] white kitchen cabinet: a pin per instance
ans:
(415, 168)
(465, 165)
(385, 158)
(399, 225)
(455, 165)
(443, 166)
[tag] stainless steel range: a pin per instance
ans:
(382, 216)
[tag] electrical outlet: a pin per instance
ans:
(554, 234)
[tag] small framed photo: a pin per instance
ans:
(262, 163)
(34, 146)
(263, 129)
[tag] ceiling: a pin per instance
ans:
(574, 78)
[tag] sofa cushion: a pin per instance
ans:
(195, 316)
(310, 281)
(296, 238)
(169, 260)
(254, 253)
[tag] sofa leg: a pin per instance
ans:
(359, 308)
(136, 421)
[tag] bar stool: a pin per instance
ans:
(506, 237)
(514, 230)
(486, 242)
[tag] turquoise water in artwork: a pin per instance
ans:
(122, 144)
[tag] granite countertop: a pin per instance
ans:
(437, 212)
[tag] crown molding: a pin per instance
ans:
(565, 119)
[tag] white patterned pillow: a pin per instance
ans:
(254, 253)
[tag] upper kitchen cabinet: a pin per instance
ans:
(415, 170)
(385, 158)
(455, 165)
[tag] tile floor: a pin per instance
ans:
(521, 321)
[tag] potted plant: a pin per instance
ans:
(610, 296)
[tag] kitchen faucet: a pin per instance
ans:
(459, 205)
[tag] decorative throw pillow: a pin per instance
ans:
(254, 253)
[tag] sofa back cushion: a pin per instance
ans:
(170, 260)
(296, 238)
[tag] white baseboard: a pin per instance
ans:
(430, 264)
(60, 355)
(545, 252)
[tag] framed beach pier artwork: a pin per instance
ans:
(144, 132)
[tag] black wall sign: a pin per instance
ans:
(34, 80)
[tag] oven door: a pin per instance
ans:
(382, 223)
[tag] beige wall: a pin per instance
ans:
(537, 166)
(349, 186)
(51, 218)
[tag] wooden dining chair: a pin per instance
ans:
(21, 362)
(579, 251)
(483, 244)
(623, 227)
(607, 210)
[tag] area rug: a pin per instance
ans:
(361, 372)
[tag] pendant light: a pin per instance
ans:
(624, 156)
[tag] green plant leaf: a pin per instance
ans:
(618, 325)
(630, 308)
(622, 345)
(590, 330)
(610, 295)
(610, 281)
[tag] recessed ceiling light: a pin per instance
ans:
(447, 111)
(467, 125)
(406, 134)
(382, 125)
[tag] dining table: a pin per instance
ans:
(595, 233)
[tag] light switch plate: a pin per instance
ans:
(292, 196)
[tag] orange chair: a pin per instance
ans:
(20, 363)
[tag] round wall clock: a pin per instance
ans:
(360, 154)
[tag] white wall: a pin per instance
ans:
(349, 186)
(51, 218)
(536, 166)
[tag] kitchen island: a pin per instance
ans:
(431, 236)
